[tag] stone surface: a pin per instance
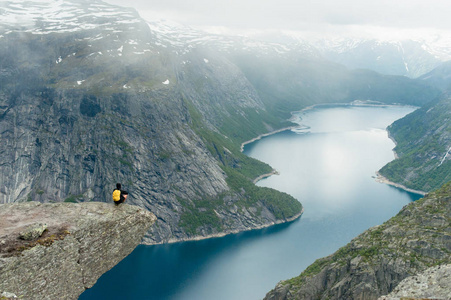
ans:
(8, 295)
(375, 262)
(32, 232)
(82, 242)
(434, 283)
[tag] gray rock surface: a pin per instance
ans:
(434, 283)
(375, 262)
(33, 232)
(82, 242)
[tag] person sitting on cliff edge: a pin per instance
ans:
(119, 196)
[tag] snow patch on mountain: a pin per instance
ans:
(50, 16)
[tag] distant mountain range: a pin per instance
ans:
(410, 58)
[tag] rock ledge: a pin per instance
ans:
(82, 241)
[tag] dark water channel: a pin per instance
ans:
(329, 167)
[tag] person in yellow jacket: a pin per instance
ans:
(119, 196)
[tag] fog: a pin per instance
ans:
(321, 17)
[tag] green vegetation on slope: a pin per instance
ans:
(423, 138)
(244, 194)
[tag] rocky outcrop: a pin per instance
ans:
(80, 243)
(434, 283)
(376, 261)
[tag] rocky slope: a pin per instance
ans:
(434, 283)
(423, 147)
(91, 95)
(376, 261)
(80, 243)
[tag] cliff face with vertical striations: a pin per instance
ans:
(80, 243)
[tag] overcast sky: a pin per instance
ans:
(299, 15)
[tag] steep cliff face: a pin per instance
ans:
(375, 262)
(81, 242)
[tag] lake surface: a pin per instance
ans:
(329, 167)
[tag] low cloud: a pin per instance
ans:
(298, 14)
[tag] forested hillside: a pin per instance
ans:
(423, 145)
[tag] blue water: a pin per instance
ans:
(329, 167)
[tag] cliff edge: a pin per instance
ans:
(56, 251)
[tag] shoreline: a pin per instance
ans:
(394, 141)
(229, 232)
(263, 176)
(265, 135)
(293, 117)
(381, 179)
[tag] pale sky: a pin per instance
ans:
(298, 15)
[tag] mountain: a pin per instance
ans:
(407, 57)
(295, 72)
(440, 77)
(90, 98)
(373, 263)
(91, 94)
(423, 147)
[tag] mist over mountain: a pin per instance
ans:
(91, 94)
(407, 57)
(440, 77)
